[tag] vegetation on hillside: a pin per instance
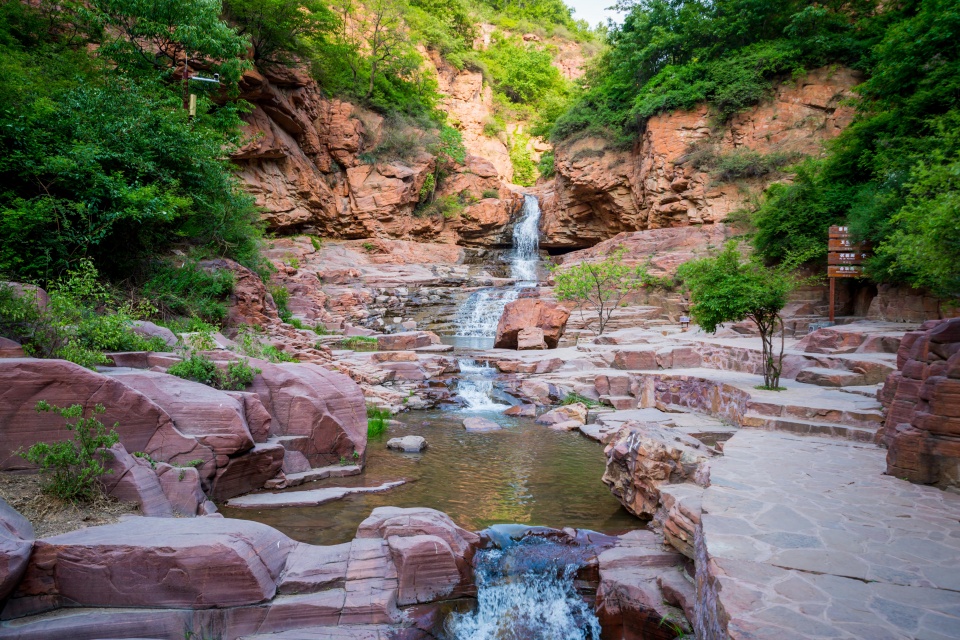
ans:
(892, 176)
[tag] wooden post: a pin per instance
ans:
(833, 293)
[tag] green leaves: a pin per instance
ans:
(70, 468)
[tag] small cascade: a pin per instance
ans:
(479, 315)
(526, 590)
(475, 386)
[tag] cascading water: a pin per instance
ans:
(475, 387)
(525, 590)
(479, 315)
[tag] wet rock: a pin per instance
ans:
(480, 425)
(576, 413)
(16, 544)
(247, 471)
(403, 341)
(527, 313)
(408, 444)
(522, 410)
(645, 456)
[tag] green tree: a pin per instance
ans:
(727, 288)
(280, 30)
(600, 287)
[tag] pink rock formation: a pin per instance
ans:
(531, 312)
(16, 544)
(922, 399)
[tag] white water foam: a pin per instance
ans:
(475, 386)
(478, 316)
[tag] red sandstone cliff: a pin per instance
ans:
(600, 191)
(303, 164)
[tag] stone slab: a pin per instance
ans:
(309, 498)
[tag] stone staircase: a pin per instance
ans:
(860, 425)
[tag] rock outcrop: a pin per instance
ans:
(526, 313)
(16, 545)
(922, 399)
(303, 164)
(235, 578)
(601, 191)
(644, 456)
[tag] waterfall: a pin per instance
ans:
(479, 315)
(527, 591)
(475, 386)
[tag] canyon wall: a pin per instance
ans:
(304, 164)
(601, 191)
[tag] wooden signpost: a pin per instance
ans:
(845, 259)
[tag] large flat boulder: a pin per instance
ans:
(325, 407)
(214, 418)
(194, 563)
(527, 313)
(141, 423)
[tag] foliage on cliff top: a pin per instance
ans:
(676, 54)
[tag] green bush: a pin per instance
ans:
(359, 343)
(80, 322)
(70, 469)
(281, 297)
(249, 344)
(739, 163)
(524, 170)
(574, 398)
(491, 193)
(237, 376)
(547, 166)
(376, 421)
(190, 290)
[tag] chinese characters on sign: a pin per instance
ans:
(844, 259)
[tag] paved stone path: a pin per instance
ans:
(805, 538)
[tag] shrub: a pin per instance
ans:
(281, 297)
(359, 343)
(190, 290)
(376, 421)
(574, 398)
(249, 344)
(491, 193)
(70, 468)
(80, 322)
(546, 166)
(739, 163)
(237, 376)
(524, 170)
(316, 242)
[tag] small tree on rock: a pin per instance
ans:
(600, 287)
(727, 288)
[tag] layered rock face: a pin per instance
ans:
(600, 191)
(303, 164)
(922, 426)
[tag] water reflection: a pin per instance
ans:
(525, 473)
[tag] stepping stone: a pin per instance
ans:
(322, 473)
(408, 444)
(311, 498)
(480, 425)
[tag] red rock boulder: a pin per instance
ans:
(527, 313)
(326, 408)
